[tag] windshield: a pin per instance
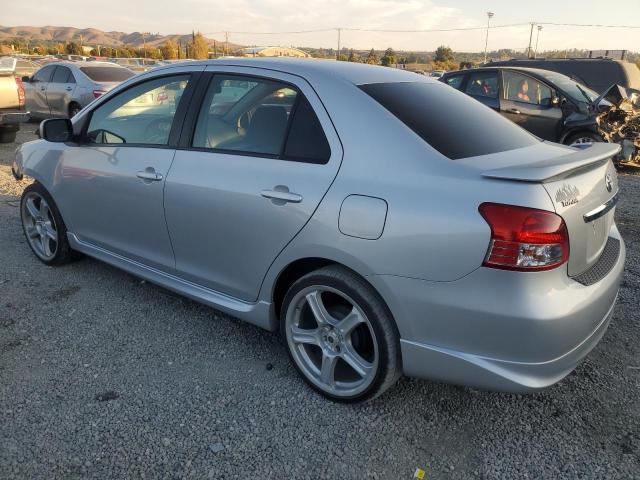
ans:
(107, 74)
(575, 90)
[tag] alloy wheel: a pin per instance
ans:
(39, 226)
(332, 341)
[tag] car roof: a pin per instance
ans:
(541, 72)
(356, 73)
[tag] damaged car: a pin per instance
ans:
(554, 107)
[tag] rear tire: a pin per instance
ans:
(43, 227)
(582, 138)
(340, 335)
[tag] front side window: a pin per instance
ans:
(259, 116)
(454, 124)
(483, 84)
(44, 74)
(525, 89)
(141, 115)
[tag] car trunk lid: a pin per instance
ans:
(583, 187)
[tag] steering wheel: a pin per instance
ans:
(158, 130)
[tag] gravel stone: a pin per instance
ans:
(167, 417)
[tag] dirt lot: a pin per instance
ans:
(103, 375)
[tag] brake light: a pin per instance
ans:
(20, 86)
(525, 239)
(98, 93)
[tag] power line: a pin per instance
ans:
(595, 25)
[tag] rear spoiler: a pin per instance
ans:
(585, 155)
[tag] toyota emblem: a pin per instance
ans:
(608, 182)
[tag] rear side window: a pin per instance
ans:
(306, 141)
(107, 74)
(451, 122)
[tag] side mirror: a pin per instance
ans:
(26, 79)
(555, 101)
(56, 130)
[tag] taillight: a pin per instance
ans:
(20, 87)
(525, 239)
(98, 93)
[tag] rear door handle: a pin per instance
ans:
(149, 175)
(281, 195)
(514, 110)
(68, 89)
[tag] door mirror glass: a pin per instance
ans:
(56, 130)
(26, 79)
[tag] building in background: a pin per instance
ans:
(272, 52)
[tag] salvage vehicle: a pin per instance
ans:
(554, 107)
(596, 73)
(329, 203)
(63, 88)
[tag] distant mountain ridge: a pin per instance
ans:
(94, 36)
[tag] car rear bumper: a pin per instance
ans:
(497, 329)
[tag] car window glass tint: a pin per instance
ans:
(244, 114)
(525, 89)
(483, 84)
(140, 115)
(451, 122)
(306, 141)
(60, 75)
(454, 81)
(107, 74)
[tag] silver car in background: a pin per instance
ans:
(383, 222)
(62, 89)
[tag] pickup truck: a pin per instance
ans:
(11, 100)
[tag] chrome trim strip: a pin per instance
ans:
(602, 209)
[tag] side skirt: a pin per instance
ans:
(259, 313)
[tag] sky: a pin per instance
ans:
(211, 17)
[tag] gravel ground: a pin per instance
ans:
(103, 375)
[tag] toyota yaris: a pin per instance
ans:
(383, 222)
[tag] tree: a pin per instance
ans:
(372, 58)
(444, 54)
(352, 56)
(170, 50)
(73, 48)
(198, 47)
(389, 57)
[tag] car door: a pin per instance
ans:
(110, 185)
(60, 90)
(36, 92)
(529, 103)
(262, 155)
(483, 86)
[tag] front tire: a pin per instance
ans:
(43, 226)
(340, 335)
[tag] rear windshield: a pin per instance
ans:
(451, 122)
(107, 74)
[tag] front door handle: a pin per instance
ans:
(281, 195)
(68, 89)
(514, 110)
(149, 175)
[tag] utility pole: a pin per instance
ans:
(226, 42)
(530, 39)
(338, 52)
(535, 55)
(486, 38)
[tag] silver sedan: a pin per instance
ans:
(62, 89)
(384, 223)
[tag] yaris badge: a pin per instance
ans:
(567, 195)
